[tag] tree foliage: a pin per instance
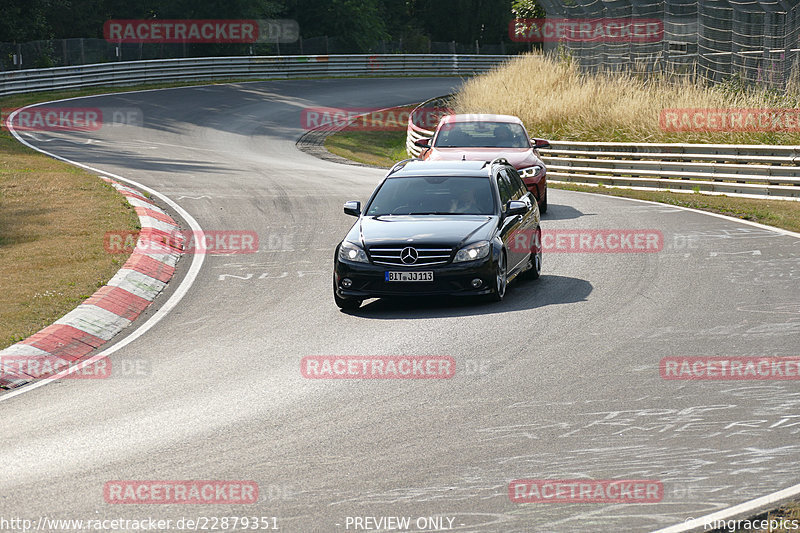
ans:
(357, 24)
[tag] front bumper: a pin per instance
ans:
(368, 280)
(536, 185)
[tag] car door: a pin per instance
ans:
(511, 226)
(526, 237)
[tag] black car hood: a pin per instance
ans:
(446, 230)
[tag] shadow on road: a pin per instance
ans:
(521, 295)
(562, 212)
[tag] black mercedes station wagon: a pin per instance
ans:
(439, 228)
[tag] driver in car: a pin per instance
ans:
(465, 202)
(503, 137)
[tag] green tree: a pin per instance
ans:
(463, 21)
(527, 9)
(357, 24)
(26, 20)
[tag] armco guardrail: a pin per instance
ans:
(759, 170)
(756, 170)
(438, 105)
(210, 68)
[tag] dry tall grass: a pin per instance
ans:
(557, 101)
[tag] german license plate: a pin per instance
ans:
(409, 276)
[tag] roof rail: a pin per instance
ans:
(400, 164)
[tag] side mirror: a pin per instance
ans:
(352, 208)
(540, 143)
(515, 207)
(423, 143)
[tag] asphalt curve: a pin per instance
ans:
(559, 381)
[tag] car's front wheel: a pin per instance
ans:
(543, 203)
(500, 279)
(345, 304)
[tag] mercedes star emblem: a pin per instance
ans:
(408, 255)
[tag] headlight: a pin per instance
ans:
(479, 250)
(350, 252)
(532, 172)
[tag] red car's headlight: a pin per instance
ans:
(536, 171)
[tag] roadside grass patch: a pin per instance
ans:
(54, 218)
(377, 148)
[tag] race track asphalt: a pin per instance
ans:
(559, 381)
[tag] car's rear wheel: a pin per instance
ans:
(535, 269)
(500, 279)
(345, 304)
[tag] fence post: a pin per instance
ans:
(789, 22)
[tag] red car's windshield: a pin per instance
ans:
(482, 135)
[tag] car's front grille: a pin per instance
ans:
(394, 255)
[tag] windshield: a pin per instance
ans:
(433, 196)
(482, 135)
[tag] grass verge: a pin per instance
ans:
(54, 218)
(785, 519)
(377, 148)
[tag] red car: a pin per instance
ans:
(486, 137)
